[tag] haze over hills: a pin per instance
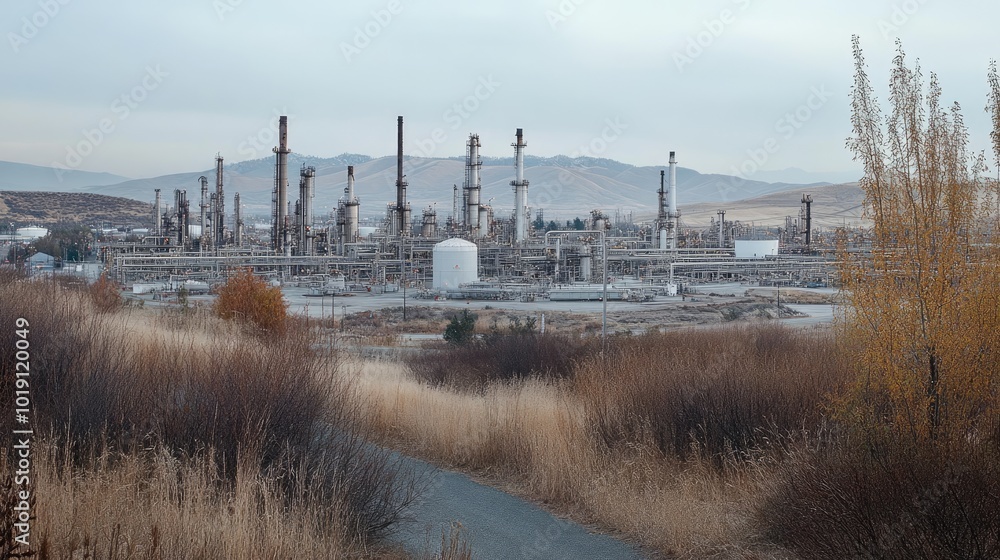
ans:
(24, 177)
(562, 187)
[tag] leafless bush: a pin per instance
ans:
(274, 408)
(105, 295)
(887, 501)
(502, 358)
(715, 394)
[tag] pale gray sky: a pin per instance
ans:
(722, 82)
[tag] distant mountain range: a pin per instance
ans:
(562, 187)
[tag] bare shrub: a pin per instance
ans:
(887, 501)
(105, 295)
(249, 299)
(248, 406)
(710, 393)
(501, 358)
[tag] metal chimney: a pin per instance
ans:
(280, 232)
(401, 207)
(219, 220)
(673, 214)
(520, 191)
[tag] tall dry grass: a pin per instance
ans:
(697, 444)
(202, 416)
(155, 506)
(598, 443)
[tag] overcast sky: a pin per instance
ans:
(722, 82)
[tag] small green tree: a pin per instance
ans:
(462, 328)
(538, 223)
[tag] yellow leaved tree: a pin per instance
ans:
(923, 311)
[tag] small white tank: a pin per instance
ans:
(455, 261)
(32, 233)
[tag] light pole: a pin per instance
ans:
(604, 257)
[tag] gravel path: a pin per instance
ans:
(497, 525)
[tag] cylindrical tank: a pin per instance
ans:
(756, 249)
(484, 221)
(455, 261)
(429, 225)
(585, 263)
(31, 233)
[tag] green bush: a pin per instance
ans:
(462, 328)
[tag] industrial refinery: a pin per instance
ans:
(478, 251)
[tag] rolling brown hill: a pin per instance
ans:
(50, 208)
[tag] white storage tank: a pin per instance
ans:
(456, 261)
(32, 233)
(756, 249)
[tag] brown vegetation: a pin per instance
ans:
(51, 208)
(249, 300)
(667, 439)
(913, 473)
(199, 441)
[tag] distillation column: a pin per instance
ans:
(219, 218)
(472, 189)
(205, 236)
(673, 214)
(351, 210)
(307, 186)
(661, 216)
(158, 216)
(402, 208)
(279, 230)
(237, 221)
(520, 191)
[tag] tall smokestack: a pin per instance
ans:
(219, 220)
(280, 228)
(673, 214)
(400, 183)
(158, 214)
(520, 191)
